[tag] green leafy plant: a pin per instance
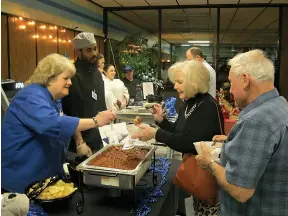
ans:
(134, 51)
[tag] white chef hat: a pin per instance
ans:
(84, 39)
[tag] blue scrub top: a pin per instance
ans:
(34, 138)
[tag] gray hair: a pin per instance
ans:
(196, 77)
(254, 63)
(50, 67)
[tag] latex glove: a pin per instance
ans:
(83, 150)
(14, 204)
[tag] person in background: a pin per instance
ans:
(87, 94)
(116, 86)
(35, 133)
(101, 64)
(109, 97)
(253, 170)
(130, 82)
(197, 120)
(196, 53)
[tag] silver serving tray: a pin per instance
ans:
(141, 111)
(85, 167)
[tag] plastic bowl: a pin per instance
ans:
(209, 146)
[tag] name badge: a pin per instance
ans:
(94, 95)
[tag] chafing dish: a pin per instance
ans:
(130, 113)
(115, 178)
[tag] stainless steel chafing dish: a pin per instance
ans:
(130, 113)
(115, 178)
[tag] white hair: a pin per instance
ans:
(254, 63)
(196, 77)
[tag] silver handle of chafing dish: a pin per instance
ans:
(102, 174)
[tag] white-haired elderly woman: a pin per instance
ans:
(35, 133)
(197, 120)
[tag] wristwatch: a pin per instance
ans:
(95, 121)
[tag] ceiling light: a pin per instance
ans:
(199, 42)
(201, 45)
(185, 45)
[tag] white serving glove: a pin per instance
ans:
(14, 204)
(83, 150)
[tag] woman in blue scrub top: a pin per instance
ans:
(35, 133)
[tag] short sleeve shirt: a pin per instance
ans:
(255, 157)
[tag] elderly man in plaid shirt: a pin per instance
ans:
(253, 171)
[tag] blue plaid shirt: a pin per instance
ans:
(255, 157)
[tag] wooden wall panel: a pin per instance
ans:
(22, 49)
(4, 48)
(65, 46)
(46, 42)
(101, 45)
(75, 54)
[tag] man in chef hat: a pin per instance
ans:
(86, 95)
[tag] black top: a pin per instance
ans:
(201, 125)
(131, 86)
(80, 102)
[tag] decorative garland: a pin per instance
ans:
(228, 108)
(161, 167)
(36, 210)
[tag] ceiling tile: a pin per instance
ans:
(273, 26)
(269, 16)
(127, 3)
(161, 2)
(150, 16)
(244, 17)
(223, 1)
(197, 10)
(192, 2)
(173, 36)
(279, 2)
(172, 11)
(254, 1)
(226, 15)
(139, 21)
(197, 36)
(107, 3)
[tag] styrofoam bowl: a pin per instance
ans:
(209, 146)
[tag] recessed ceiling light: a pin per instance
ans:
(185, 45)
(199, 42)
(201, 45)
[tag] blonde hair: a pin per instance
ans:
(49, 68)
(255, 63)
(196, 77)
